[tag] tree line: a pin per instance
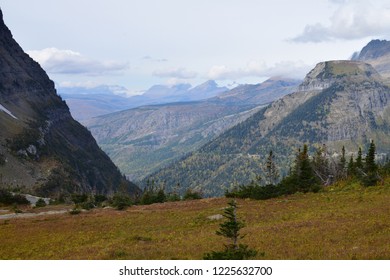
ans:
(312, 173)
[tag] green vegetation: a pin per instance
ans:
(344, 221)
(231, 230)
(121, 201)
(312, 175)
(7, 198)
(40, 203)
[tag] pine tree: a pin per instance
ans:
(271, 172)
(370, 164)
(306, 177)
(351, 168)
(342, 164)
(231, 230)
(371, 175)
(359, 160)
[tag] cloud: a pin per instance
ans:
(69, 62)
(290, 69)
(178, 73)
(149, 58)
(351, 20)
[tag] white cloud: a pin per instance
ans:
(69, 62)
(351, 20)
(259, 69)
(149, 58)
(178, 73)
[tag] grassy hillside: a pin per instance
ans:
(345, 221)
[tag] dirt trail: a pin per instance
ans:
(29, 215)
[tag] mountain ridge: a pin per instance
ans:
(340, 103)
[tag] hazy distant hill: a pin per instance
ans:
(42, 148)
(262, 93)
(86, 103)
(339, 103)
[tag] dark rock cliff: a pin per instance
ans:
(44, 149)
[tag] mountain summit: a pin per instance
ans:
(376, 53)
(42, 148)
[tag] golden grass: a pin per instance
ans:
(344, 222)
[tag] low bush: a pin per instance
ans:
(7, 198)
(121, 201)
(40, 203)
(191, 195)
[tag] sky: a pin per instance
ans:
(140, 43)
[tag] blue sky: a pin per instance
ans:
(139, 43)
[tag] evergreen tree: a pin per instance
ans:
(359, 161)
(342, 164)
(351, 168)
(271, 172)
(305, 174)
(370, 164)
(371, 175)
(231, 230)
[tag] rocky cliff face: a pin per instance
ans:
(339, 103)
(44, 149)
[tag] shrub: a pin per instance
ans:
(88, 205)
(173, 197)
(79, 198)
(121, 201)
(151, 195)
(191, 195)
(75, 211)
(8, 198)
(40, 203)
(99, 199)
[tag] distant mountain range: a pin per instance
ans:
(145, 139)
(86, 103)
(43, 150)
(340, 103)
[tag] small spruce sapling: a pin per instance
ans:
(231, 230)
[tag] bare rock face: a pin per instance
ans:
(376, 53)
(46, 150)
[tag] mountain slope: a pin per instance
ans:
(44, 149)
(339, 103)
(143, 140)
(147, 138)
